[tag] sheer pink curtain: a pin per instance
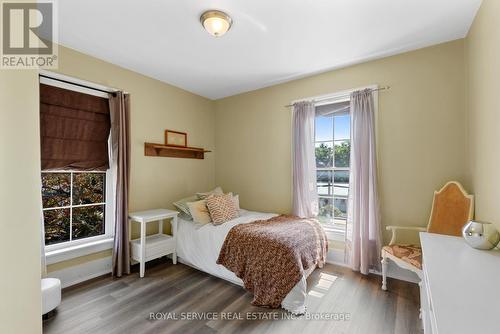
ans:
(119, 106)
(305, 198)
(363, 239)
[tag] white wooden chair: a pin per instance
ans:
(452, 208)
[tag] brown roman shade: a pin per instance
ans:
(74, 130)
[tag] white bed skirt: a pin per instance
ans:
(199, 248)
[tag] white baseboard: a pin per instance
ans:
(82, 272)
(336, 257)
(88, 270)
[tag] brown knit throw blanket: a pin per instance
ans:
(270, 256)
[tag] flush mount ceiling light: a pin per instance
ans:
(217, 23)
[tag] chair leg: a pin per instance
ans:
(384, 272)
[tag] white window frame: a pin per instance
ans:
(71, 249)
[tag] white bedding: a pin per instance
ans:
(199, 247)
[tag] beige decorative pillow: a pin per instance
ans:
(222, 208)
(199, 212)
(216, 191)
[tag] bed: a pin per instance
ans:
(199, 247)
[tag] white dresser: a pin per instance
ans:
(460, 292)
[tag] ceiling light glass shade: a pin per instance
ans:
(217, 23)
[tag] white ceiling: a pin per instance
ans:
(271, 41)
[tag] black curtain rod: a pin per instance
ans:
(77, 84)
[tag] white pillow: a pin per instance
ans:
(236, 200)
(216, 191)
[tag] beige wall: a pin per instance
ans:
(252, 133)
(438, 122)
(483, 119)
(20, 299)
(421, 125)
(155, 106)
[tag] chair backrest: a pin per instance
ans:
(452, 208)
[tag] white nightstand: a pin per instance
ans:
(151, 247)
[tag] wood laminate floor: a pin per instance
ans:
(107, 305)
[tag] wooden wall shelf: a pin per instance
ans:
(160, 150)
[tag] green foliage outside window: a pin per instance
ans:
(325, 154)
(64, 217)
(330, 156)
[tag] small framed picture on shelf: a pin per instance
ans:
(175, 138)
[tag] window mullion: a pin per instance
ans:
(333, 143)
(57, 208)
(74, 206)
(87, 205)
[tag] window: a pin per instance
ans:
(77, 177)
(333, 147)
(76, 207)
